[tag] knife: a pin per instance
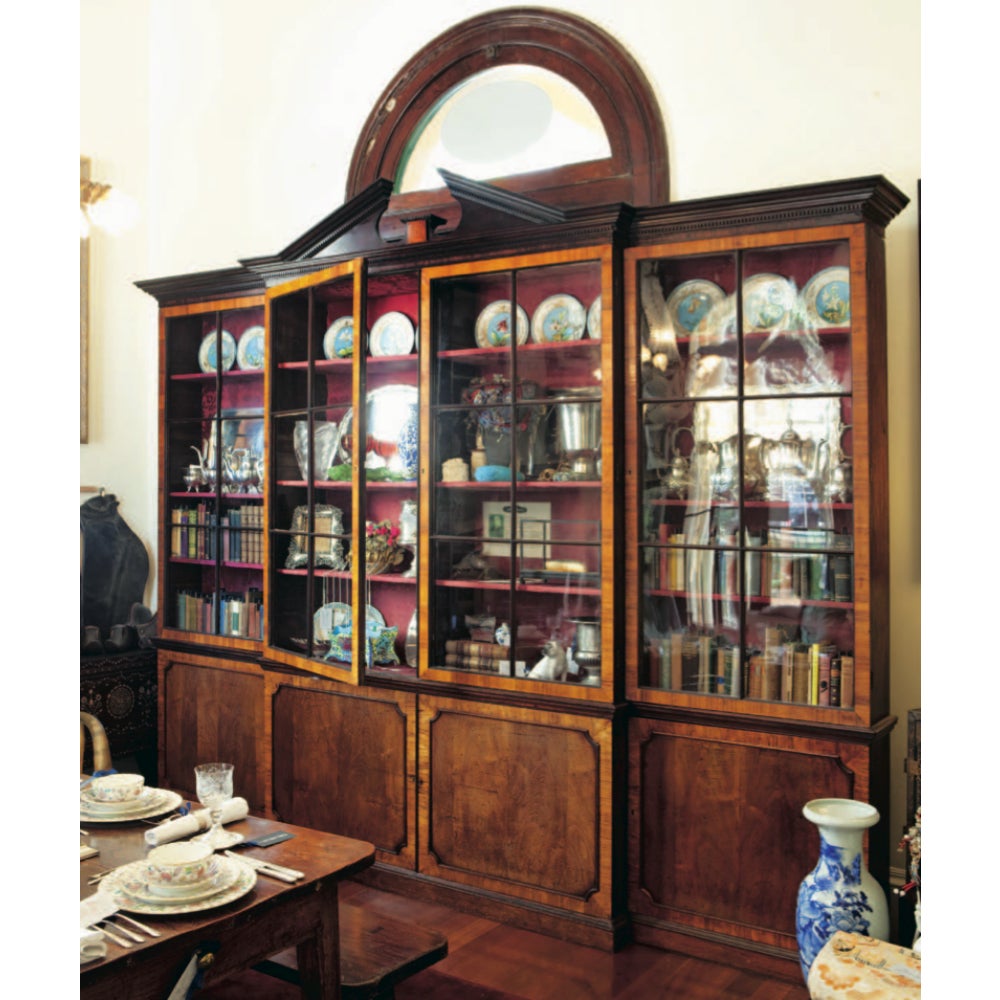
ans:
(268, 868)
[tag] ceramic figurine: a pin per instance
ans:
(553, 666)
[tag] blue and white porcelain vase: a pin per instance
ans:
(839, 894)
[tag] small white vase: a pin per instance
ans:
(839, 894)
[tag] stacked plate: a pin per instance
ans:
(151, 802)
(131, 890)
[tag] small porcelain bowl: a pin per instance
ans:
(179, 865)
(117, 787)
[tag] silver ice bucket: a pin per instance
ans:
(578, 430)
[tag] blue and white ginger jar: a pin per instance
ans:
(839, 894)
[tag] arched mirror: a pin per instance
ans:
(537, 101)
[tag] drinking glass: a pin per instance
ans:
(214, 786)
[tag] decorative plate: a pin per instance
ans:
(121, 883)
(412, 645)
(250, 352)
(767, 300)
(493, 325)
(689, 303)
(391, 335)
(827, 297)
(594, 319)
(558, 318)
(338, 341)
(226, 875)
(337, 615)
(163, 801)
(208, 352)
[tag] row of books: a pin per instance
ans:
(198, 533)
(819, 576)
(785, 670)
(468, 654)
(231, 613)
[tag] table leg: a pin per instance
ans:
(319, 956)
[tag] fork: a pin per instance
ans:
(108, 934)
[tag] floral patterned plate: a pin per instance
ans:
(391, 335)
(690, 302)
(767, 300)
(250, 351)
(493, 325)
(160, 801)
(827, 297)
(337, 614)
(558, 318)
(338, 341)
(226, 875)
(121, 883)
(594, 319)
(208, 359)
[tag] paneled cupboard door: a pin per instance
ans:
(344, 429)
(212, 369)
(743, 519)
(519, 491)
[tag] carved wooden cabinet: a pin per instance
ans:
(517, 478)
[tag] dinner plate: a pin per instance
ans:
(689, 303)
(558, 318)
(767, 300)
(166, 801)
(250, 350)
(143, 800)
(208, 352)
(391, 335)
(226, 875)
(117, 882)
(338, 341)
(493, 325)
(827, 297)
(337, 614)
(594, 319)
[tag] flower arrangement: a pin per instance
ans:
(382, 550)
(492, 396)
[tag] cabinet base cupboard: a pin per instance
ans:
(548, 551)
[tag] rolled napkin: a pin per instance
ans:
(177, 829)
(92, 945)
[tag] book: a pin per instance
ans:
(800, 674)
(788, 671)
(835, 681)
(771, 689)
(824, 677)
(676, 676)
(705, 661)
(840, 572)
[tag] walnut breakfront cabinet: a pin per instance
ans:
(545, 548)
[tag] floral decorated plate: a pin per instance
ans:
(225, 876)
(767, 300)
(250, 351)
(689, 303)
(160, 801)
(127, 887)
(208, 359)
(338, 615)
(493, 325)
(338, 341)
(558, 318)
(827, 297)
(391, 335)
(594, 319)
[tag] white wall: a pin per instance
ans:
(233, 122)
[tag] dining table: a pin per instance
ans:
(229, 936)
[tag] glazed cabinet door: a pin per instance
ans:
(519, 492)
(342, 501)
(211, 582)
(754, 494)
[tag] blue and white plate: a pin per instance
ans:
(391, 335)
(558, 318)
(337, 615)
(827, 297)
(338, 341)
(689, 303)
(493, 325)
(250, 352)
(208, 357)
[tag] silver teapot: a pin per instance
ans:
(793, 465)
(677, 480)
(840, 483)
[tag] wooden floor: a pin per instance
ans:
(486, 954)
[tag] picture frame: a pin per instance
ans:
(328, 549)
(533, 520)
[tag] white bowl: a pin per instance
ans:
(180, 865)
(117, 787)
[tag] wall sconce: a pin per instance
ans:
(103, 206)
